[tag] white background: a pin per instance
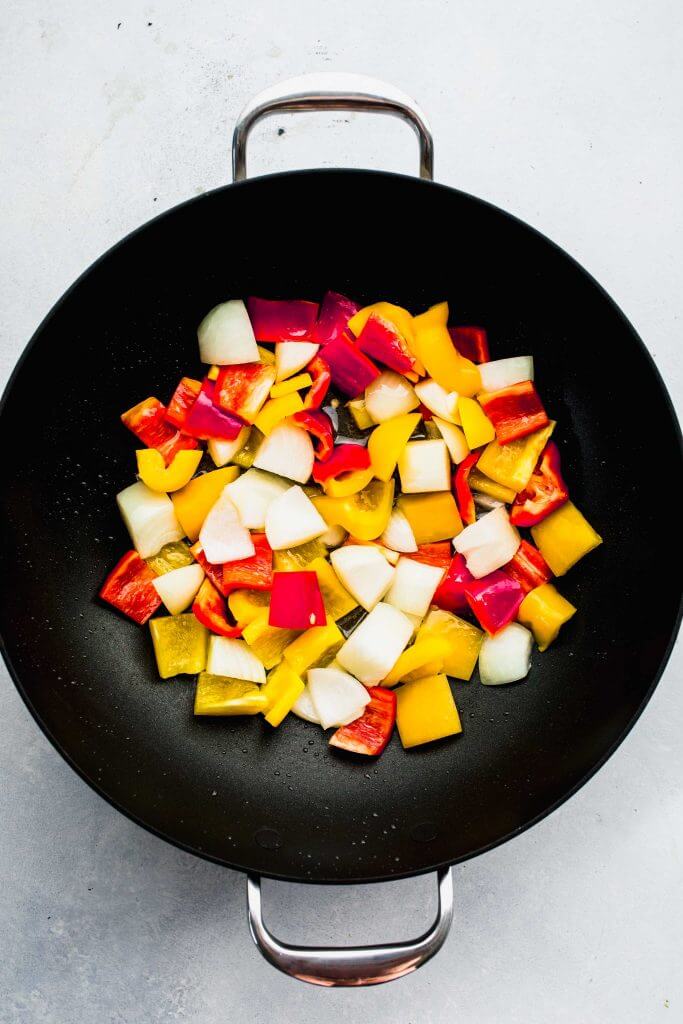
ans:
(567, 114)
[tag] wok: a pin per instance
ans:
(278, 802)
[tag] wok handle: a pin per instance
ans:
(348, 966)
(331, 91)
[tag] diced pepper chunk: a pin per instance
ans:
(415, 661)
(254, 573)
(277, 409)
(282, 319)
(512, 464)
(172, 556)
(396, 315)
(322, 378)
(337, 600)
(426, 711)
(147, 420)
(296, 601)
(220, 695)
(166, 478)
(388, 441)
(335, 312)
(282, 691)
(315, 648)
(207, 421)
(243, 389)
(193, 503)
(361, 416)
(450, 594)
(210, 609)
(544, 611)
(180, 644)
(461, 486)
(478, 427)
(365, 514)
(128, 587)
(471, 342)
(343, 459)
(528, 567)
(482, 485)
(545, 491)
(182, 400)
(564, 538)
(245, 604)
(319, 426)
(436, 351)
(346, 484)
(351, 370)
(267, 642)
(437, 553)
(245, 456)
(515, 411)
(432, 517)
(287, 387)
(381, 340)
(300, 557)
(464, 641)
(494, 599)
(370, 733)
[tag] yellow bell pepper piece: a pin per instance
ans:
(480, 483)
(194, 502)
(300, 557)
(245, 605)
(513, 463)
(364, 514)
(247, 453)
(564, 538)
(220, 695)
(387, 442)
(435, 316)
(277, 409)
(397, 315)
(544, 611)
(180, 643)
(361, 416)
(464, 641)
(477, 426)
(282, 691)
(426, 711)
(266, 355)
(348, 483)
(213, 372)
(415, 661)
(172, 556)
(435, 349)
(315, 647)
(158, 477)
(433, 517)
(267, 642)
(337, 600)
(286, 387)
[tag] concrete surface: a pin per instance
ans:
(566, 113)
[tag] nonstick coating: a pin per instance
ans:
(279, 801)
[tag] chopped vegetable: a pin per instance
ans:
(396, 315)
(223, 537)
(424, 466)
(292, 356)
(184, 397)
(350, 369)
(482, 485)
(389, 395)
(206, 421)
(147, 420)
(413, 586)
(458, 449)
(314, 648)
(365, 514)
(320, 371)
(464, 641)
(440, 402)
(149, 518)
(361, 416)
(193, 503)
(282, 320)
(381, 340)
(375, 645)
(476, 425)
(348, 483)
(288, 387)
(545, 492)
(433, 517)
(333, 537)
(255, 572)
(129, 587)
(387, 443)
(232, 657)
(344, 458)
(494, 599)
(245, 455)
(292, 519)
(544, 611)
(300, 556)
(179, 645)
(209, 608)
(370, 733)
(288, 451)
(461, 486)
(399, 533)
(319, 426)
(226, 335)
(222, 451)
(335, 312)
(503, 373)
(158, 477)
(528, 567)
(515, 411)
(304, 708)
(245, 605)
(252, 493)
(450, 594)
(277, 409)
(364, 571)
(170, 557)
(471, 342)
(242, 390)
(441, 359)
(337, 600)
(267, 643)
(506, 657)
(426, 711)
(564, 537)
(489, 543)
(296, 601)
(282, 690)
(218, 695)
(437, 553)
(337, 697)
(512, 464)
(177, 589)
(424, 658)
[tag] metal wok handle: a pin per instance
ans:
(331, 91)
(352, 966)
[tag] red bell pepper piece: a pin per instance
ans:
(528, 567)
(471, 342)
(128, 587)
(382, 341)
(342, 459)
(515, 411)
(211, 609)
(370, 733)
(319, 426)
(254, 573)
(242, 389)
(335, 312)
(461, 486)
(438, 553)
(184, 397)
(425, 413)
(296, 601)
(322, 378)
(450, 593)
(545, 491)
(213, 572)
(351, 370)
(206, 421)
(147, 420)
(282, 320)
(494, 599)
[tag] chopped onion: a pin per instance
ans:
(505, 657)
(501, 373)
(399, 533)
(439, 401)
(374, 646)
(304, 707)
(458, 448)
(389, 395)
(149, 518)
(424, 466)
(287, 451)
(337, 697)
(252, 493)
(364, 571)
(228, 657)
(226, 335)
(178, 588)
(334, 536)
(489, 543)
(223, 451)
(292, 356)
(223, 536)
(293, 519)
(414, 586)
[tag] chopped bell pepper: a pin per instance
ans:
(319, 426)
(396, 315)
(296, 601)
(564, 538)
(432, 517)
(147, 420)
(477, 426)
(244, 458)
(322, 378)
(337, 600)
(287, 387)
(439, 553)
(267, 642)
(300, 557)
(267, 355)
(387, 442)
(243, 389)
(416, 661)
(254, 573)
(315, 648)
(282, 319)
(172, 556)
(426, 711)
(348, 483)
(528, 567)
(461, 486)
(206, 421)
(344, 458)
(159, 477)
(494, 599)
(545, 491)
(282, 691)
(482, 485)
(471, 342)
(361, 416)
(464, 641)
(245, 605)
(364, 514)
(128, 587)
(180, 643)
(220, 695)
(335, 312)
(382, 341)
(450, 593)
(351, 370)
(512, 464)
(213, 371)
(544, 611)
(193, 503)
(434, 348)
(210, 609)
(515, 411)
(370, 733)
(435, 316)
(213, 572)
(184, 397)
(277, 409)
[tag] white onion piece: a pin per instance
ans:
(458, 448)
(439, 401)
(293, 519)
(226, 335)
(501, 373)
(337, 697)
(178, 588)
(223, 451)
(149, 518)
(252, 493)
(304, 708)
(364, 571)
(334, 536)
(288, 452)
(489, 543)
(233, 658)
(424, 466)
(414, 586)
(292, 356)
(389, 395)
(505, 657)
(223, 536)
(374, 646)
(399, 533)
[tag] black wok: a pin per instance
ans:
(278, 802)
